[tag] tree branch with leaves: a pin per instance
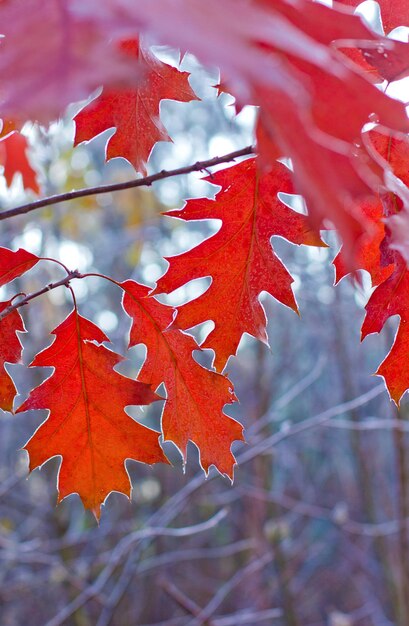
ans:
(324, 131)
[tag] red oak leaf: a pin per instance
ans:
(266, 146)
(255, 44)
(14, 264)
(195, 396)
(320, 22)
(331, 170)
(277, 54)
(87, 425)
(274, 54)
(393, 149)
(387, 267)
(392, 298)
(393, 152)
(13, 157)
(333, 183)
(239, 258)
(52, 54)
(368, 252)
(334, 178)
(10, 352)
(355, 92)
(134, 112)
(221, 35)
(231, 36)
(390, 59)
(393, 13)
(357, 57)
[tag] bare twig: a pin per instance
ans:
(195, 554)
(248, 617)
(147, 181)
(266, 445)
(123, 548)
(64, 282)
(248, 570)
(306, 509)
(169, 511)
(182, 599)
(129, 571)
(288, 397)
(369, 424)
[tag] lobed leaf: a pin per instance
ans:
(54, 54)
(239, 257)
(87, 425)
(195, 395)
(14, 264)
(10, 352)
(134, 112)
(13, 157)
(393, 13)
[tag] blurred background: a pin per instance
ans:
(314, 530)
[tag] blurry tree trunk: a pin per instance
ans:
(403, 516)
(358, 446)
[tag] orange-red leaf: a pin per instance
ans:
(357, 96)
(10, 352)
(322, 23)
(195, 395)
(386, 266)
(392, 298)
(87, 425)
(394, 13)
(134, 112)
(333, 183)
(53, 54)
(239, 258)
(394, 150)
(13, 157)
(14, 264)
(357, 57)
(391, 60)
(282, 56)
(368, 253)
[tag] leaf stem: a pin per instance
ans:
(46, 258)
(60, 283)
(130, 184)
(64, 282)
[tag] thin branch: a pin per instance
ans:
(193, 554)
(147, 181)
(60, 283)
(172, 507)
(123, 548)
(266, 445)
(182, 599)
(299, 507)
(369, 423)
(129, 570)
(248, 617)
(248, 570)
(295, 390)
